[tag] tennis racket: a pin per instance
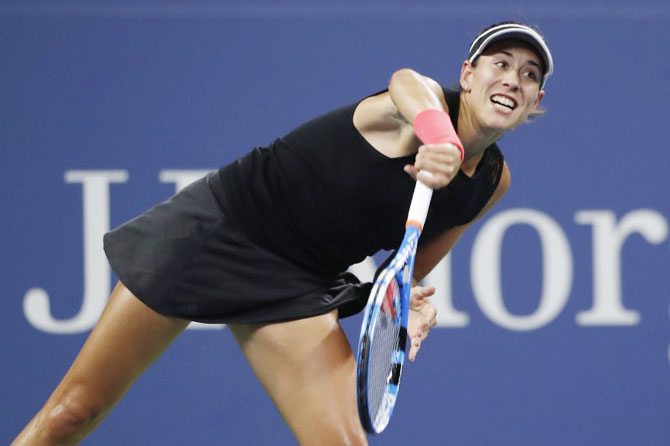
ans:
(383, 339)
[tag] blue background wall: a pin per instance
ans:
(143, 87)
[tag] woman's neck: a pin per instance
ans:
(475, 139)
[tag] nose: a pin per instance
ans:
(511, 80)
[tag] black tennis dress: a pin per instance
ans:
(270, 236)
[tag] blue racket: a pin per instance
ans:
(383, 339)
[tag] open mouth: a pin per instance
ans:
(503, 103)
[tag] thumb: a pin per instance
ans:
(411, 171)
(419, 295)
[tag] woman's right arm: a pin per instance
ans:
(413, 93)
(386, 120)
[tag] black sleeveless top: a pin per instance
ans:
(323, 198)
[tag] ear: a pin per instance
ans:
(467, 72)
(540, 95)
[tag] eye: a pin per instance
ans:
(501, 64)
(531, 75)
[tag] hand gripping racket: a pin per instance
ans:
(383, 338)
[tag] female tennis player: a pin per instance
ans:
(264, 243)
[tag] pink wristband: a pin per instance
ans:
(435, 127)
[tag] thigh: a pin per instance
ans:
(128, 337)
(309, 370)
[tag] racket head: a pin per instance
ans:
(383, 338)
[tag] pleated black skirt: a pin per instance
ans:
(184, 258)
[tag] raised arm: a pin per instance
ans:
(386, 120)
(412, 93)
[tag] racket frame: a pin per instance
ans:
(401, 268)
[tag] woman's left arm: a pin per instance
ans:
(423, 316)
(430, 254)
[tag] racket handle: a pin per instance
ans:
(418, 209)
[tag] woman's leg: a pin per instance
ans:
(128, 337)
(309, 370)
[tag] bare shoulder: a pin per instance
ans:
(503, 185)
(505, 181)
(501, 190)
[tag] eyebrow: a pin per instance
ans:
(530, 61)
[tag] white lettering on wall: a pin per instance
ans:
(609, 237)
(608, 240)
(556, 269)
(97, 280)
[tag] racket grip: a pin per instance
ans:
(418, 209)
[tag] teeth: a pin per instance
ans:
(504, 101)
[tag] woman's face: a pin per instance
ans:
(504, 86)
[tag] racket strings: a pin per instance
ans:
(382, 369)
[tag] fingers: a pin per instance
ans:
(419, 335)
(412, 171)
(413, 350)
(422, 317)
(419, 294)
(421, 332)
(442, 160)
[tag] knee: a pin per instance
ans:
(348, 439)
(333, 436)
(357, 438)
(70, 419)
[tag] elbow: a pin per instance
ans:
(404, 76)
